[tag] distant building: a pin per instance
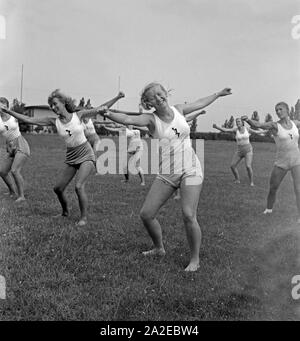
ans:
(39, 111)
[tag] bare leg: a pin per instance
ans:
(248, 161)
(6, 175)
(189, 202)
(296, 179)
(86, 168)
(141, 175)
(235, 161)
(96, 147)
(18, 162)
(59, 189)
(159, 193)
(277, 176)
(126, 173)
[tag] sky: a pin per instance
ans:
(93, 48)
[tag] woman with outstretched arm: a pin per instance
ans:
(80, 158)
(286, 135)
(244, 148)
(167, 124)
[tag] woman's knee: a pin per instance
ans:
(189, 215)
(15, 171)
(79, 187)
(146, 214)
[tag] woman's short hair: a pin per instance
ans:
(5, 101)
(144, 103)
(284, 105)
(238, 118)
(67, 100)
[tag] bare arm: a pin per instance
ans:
(140, 121)
(260, 132)
(43, 121)
(202, 102)
(225, 130)
(126, 112)
(192, 116)
(111, 102)
(256, 124)
(92, 113)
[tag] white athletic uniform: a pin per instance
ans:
(15, 142)
(243, 143)
(288, 153)
(177, 157)
(135, 143)
(78, 148)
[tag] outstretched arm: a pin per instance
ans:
(140, 121)
(256, 124)
(192, 116)
(202, 102)
(111, 102)
(225, 130)
(44, 121)
(126, 112)
(260, 132)
(91, 113)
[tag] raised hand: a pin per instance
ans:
(244, 118)
(214, 126)
(225, 92)
(121, 94)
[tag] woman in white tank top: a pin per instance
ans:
(18, 152)
(286, 135)
(80, 158)
(244, 148)
(169, 126)
(134, 150)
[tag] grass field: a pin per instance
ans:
(57, 271)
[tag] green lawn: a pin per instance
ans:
(57, 271)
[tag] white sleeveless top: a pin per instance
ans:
(287, 139)
(242, 138)
(175, 148)
(72, 132)
(9, 129)
(134, 139)
(89, 128)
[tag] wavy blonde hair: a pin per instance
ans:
(68, 101)
(144, 102)
(5, 101)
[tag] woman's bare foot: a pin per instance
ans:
(20, 199)
(82, 222)
(155, 252)
(193, 266)
(61, 215)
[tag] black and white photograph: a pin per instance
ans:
(149, 163)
